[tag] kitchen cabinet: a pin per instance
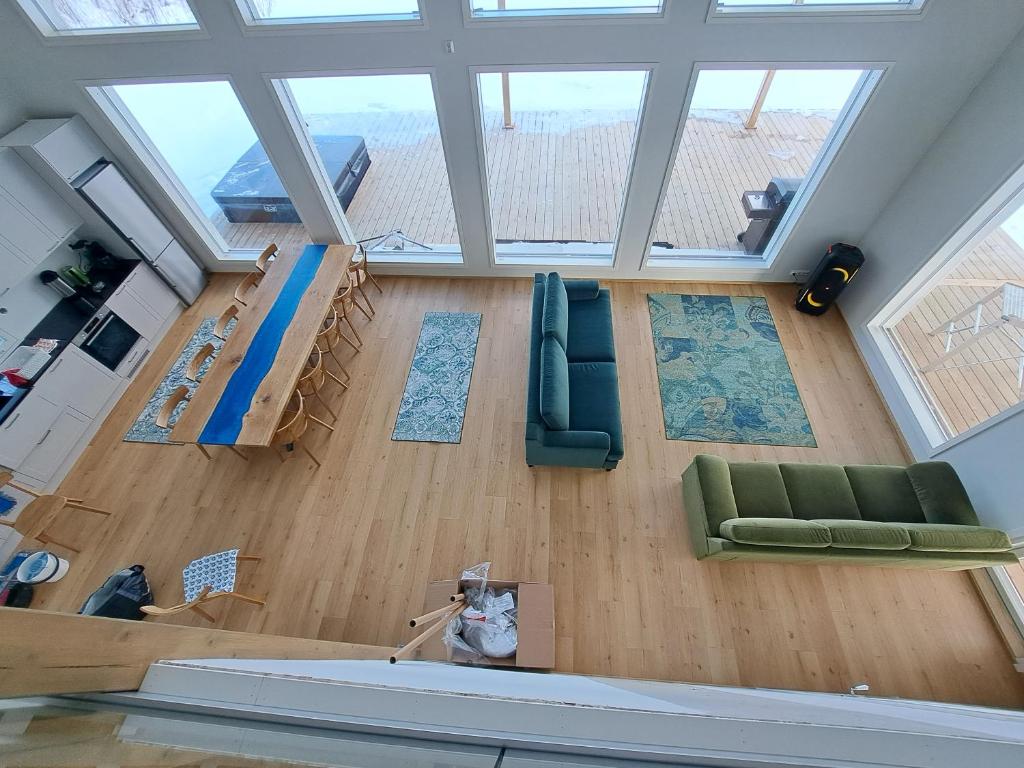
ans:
(67, 144)
(143, 301)
(26, 428)
(76, 380)
(56, 442)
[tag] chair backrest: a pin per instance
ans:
(294, 423)
(163, 417)
(313, 378)
(196, 363)
(345, 296)
(329, 330)
(155, 610)
(268, 255)
(246, 286)
(220, 330)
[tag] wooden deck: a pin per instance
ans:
(973, 388)
(560, 178)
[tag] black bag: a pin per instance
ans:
(121, 596)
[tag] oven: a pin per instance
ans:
(107, 338)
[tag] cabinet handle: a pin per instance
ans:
(56, 365)
(138, 364)
(10, 423)
(45, 435)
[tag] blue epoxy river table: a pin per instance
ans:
(246, 390)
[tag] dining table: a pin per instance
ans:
(245, 392)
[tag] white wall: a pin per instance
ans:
(22, 307)
(976, 153)
(933, 63)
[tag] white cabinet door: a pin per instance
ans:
(14, 265)
(78, 381)
(71, 148)
(35, 198)
(22, 232)
(150, 290)
(25, 429)
(53, 447)
(127, 305)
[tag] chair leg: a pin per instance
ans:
(310, 454)
(321, 423)
(44, 538)
(84, 508)
(373, 280)
(247, 598)
(252, 558)
(350, 343)
(360, 307)
(354, 331)
(238, 453)
(204, 614)
(205, 452)
(334, 416)
(335, 378)
(359, 287)
(280, 455)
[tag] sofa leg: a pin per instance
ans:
(608, 469)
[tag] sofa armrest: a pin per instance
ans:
(708, 499)
(581, 290)
(578, 440)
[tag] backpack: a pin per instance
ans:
(121, 597)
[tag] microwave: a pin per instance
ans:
(107, 338)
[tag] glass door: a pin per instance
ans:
(559, 150)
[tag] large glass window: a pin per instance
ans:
(200, 134)
(962, 336)
(730, 7)
(70, 17)
(750, 143)
(513, 8)
(559, 149)
(327, 11)
(378, 140)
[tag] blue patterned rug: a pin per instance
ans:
(434, 402)
(145, 430)
(723, 373)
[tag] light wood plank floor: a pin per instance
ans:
(348, 549)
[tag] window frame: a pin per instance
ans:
(560, 15)
(845, 124)
(253, 24)
(905, 10)
(50, 35)
(1008, 198)
(556, 257)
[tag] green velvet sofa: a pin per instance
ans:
(572, 389)
(910, 517)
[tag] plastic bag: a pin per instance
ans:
(488, 625)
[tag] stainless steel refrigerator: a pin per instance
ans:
(118, 202)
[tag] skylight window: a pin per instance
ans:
(89, 17)
(821, 7)
(498, 9)
(260, 12)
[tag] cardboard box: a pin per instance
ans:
(535, 603)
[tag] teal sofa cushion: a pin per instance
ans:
(554, 384)
(884, 494)
(590, 330)
(819, 491)
(937, 537)
(594, 402)
(759, 489)
(775, 532)
(555, 322)
(941, 494)
(867, 534)
(715, 489)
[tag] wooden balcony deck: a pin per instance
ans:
(554, 178)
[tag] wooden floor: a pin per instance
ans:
(560, 177)
(982, 381)
(348, 549)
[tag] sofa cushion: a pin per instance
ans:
(759, 489)
(590, 330)
(715, 490)
(867, 534)
(819, 491)
(594, 402)
(582, 289)
(554, 384)
(936, 537)
(941, 494)
(555, 322)
(775, 532)
(884, 494)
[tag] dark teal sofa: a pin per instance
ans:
(572, 393)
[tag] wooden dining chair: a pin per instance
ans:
(313, 379)
(35, 520)
(206, 579)
(266, 258)
(345, 301)
(293, 426)
(165, 419)
(358, 274)
(361, 262)
(247, 286)
(195, 365)
(220, 330)
(330, 336)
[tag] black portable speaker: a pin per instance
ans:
(829, 278)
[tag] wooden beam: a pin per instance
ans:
(506, 98)
(44, 652)
(762, 94)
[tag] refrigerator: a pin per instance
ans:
(116, 200)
